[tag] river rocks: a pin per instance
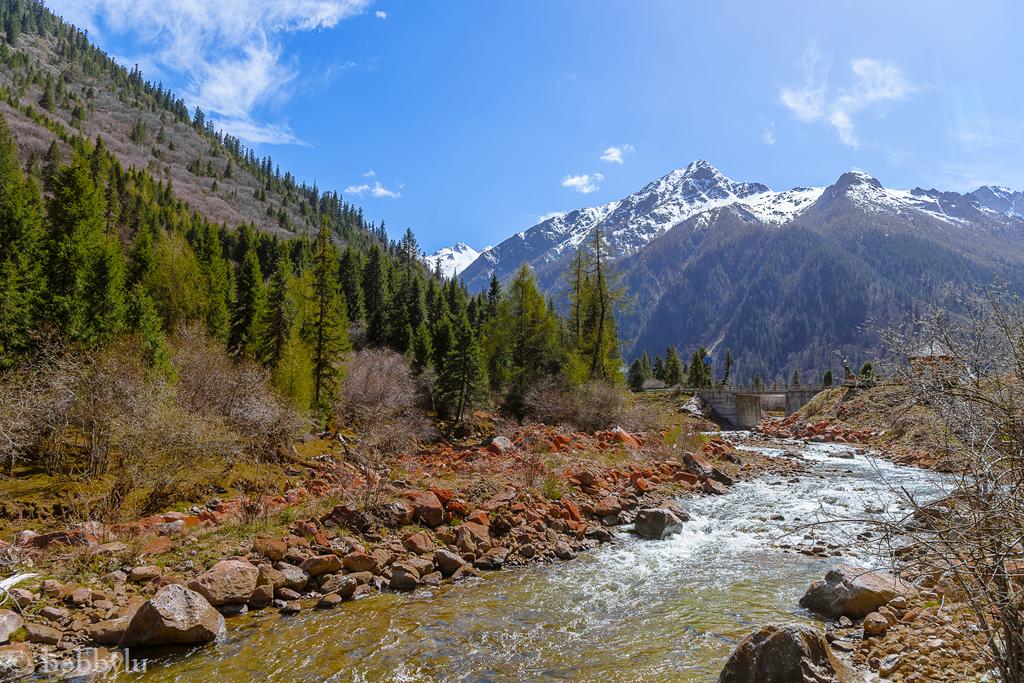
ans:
(875, 625)
(45, 635)
(563, 551)
(418, 542)
(425, 507)
(174, 616)
(9, 623)
(329, 601)
(322, 564)
(492, 559)
(404, 578)
(447, 562)
(340, 584)
(471, 537)
(53, 613)
(657, 523)
(714, 487)
(889, 665)
(268, 576)
(261, 597)
(109, 631)
(793, 653)
(16, 662)
(229, 582)
(852, 592)
(295, 578)
(359, 561)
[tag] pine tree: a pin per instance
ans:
(635, 377)
(493, 298)
(461, 380)
(351, 275)
(728, 367)
(658, 369)
(594, 299)
(86, 269)
(376, 293)
(278, 315)
(758, 382)
(144, 319)
(827, 379)
(248, 306)
(21, 244)
(700, 374)
(421, 349)
(522, 342)
(326, 331)
(673, 367)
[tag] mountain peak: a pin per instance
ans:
(857, 177)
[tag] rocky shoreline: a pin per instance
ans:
(415, 538)
(418, 538)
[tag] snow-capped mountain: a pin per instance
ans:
(454, 259)
(1001, 199)
(784, 279)
(630, 224)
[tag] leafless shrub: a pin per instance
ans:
(969, 371)
(589, 407)
(381, 401)
(211, 384)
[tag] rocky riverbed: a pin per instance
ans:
(427, 604)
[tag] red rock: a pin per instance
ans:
(426, 507)
(457, 506)
(478, 517)
(273, 549)
(643, 485)
(572, 510)
(418, 542)
(443, 495)
(609, 505)
(360, 562)
(157, 546)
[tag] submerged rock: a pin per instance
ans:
(657, 523)
(854, 593)
(793, 653)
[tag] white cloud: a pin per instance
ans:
(227, 51)
(613, 155)
(370, 173)
(375, 190)
(768, 134)
(584, 183)
(380, 14)
(874, 82)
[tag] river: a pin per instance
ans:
(634, 610)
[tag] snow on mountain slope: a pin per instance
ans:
(455, 259)
(630, 224)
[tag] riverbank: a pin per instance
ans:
(444, 515)
(460, 515)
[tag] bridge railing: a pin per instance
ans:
(762, 389)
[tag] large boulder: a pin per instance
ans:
(174, 616)
(229, 582)
(426, 507)
(851, 592)
(657, 523)
(793, 653)
(322, 564)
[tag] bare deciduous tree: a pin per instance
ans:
(968, 370)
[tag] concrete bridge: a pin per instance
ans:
(741, 406)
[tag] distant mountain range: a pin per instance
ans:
(786, 280)
(455, 259)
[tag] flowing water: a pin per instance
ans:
(636, 610)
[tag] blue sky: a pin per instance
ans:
(470, 120)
